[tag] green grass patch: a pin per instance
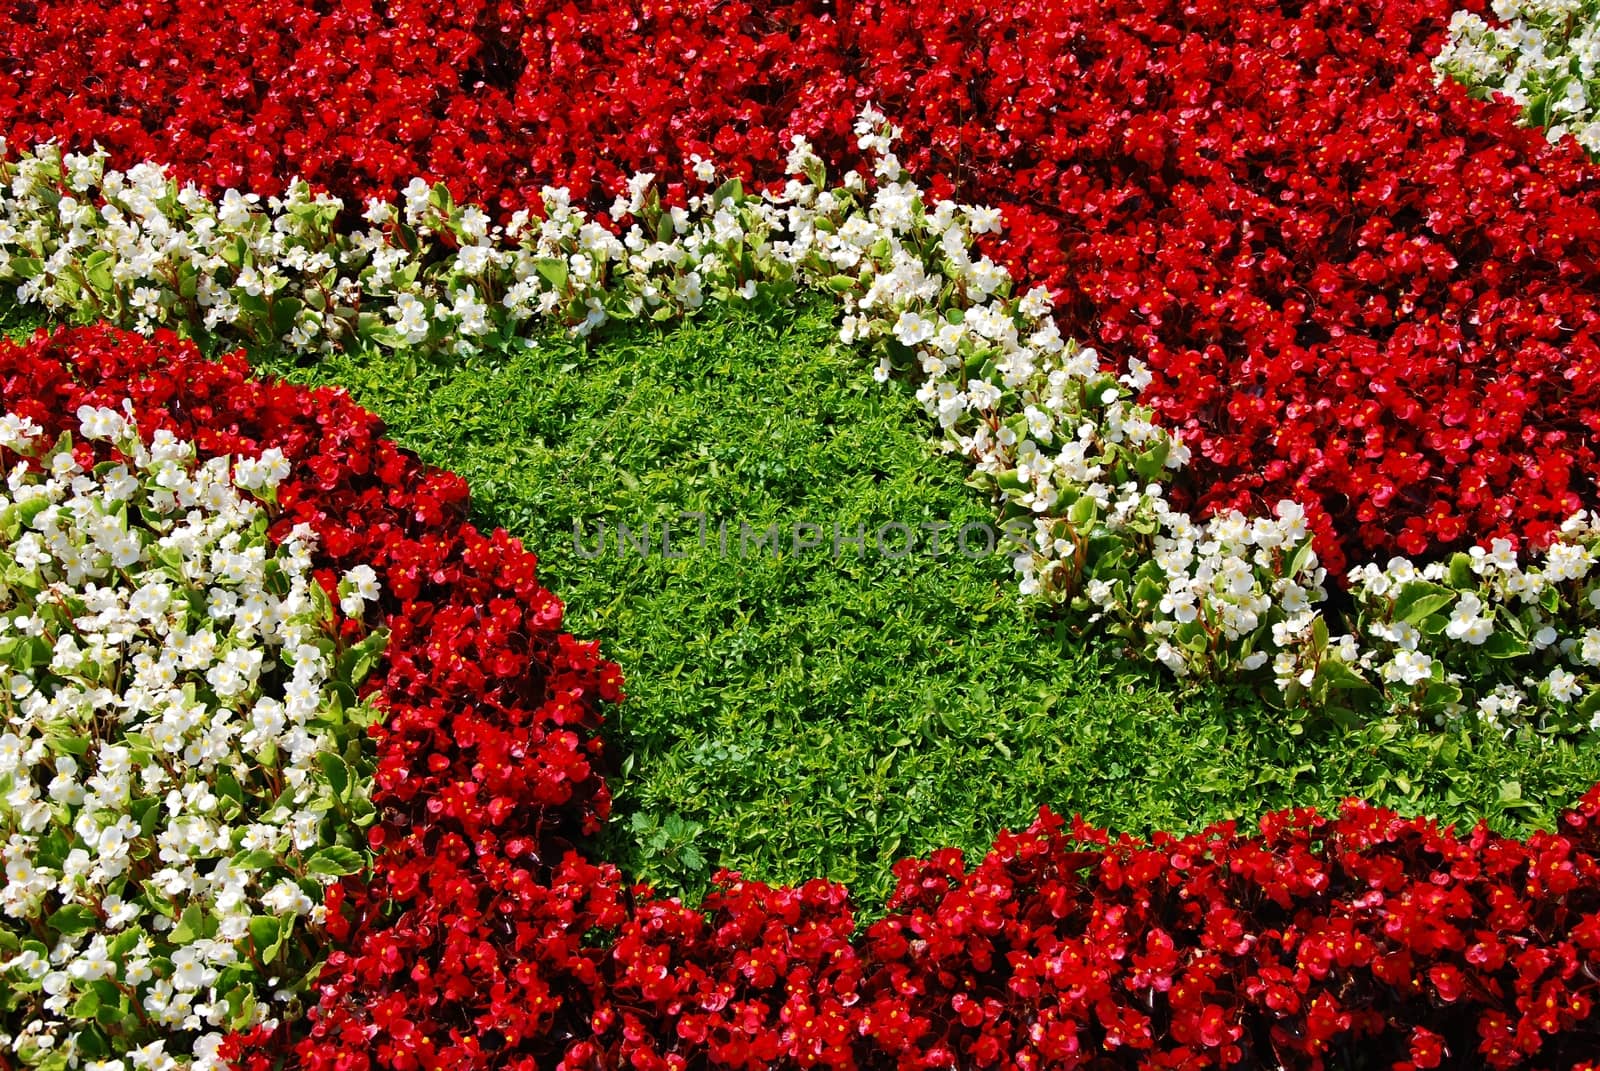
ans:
(805, 715)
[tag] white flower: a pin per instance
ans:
(983, 220)
(98, 422)
(417, 196)
(1564, 687)
(267, 470)
(1408, 667)
(912, 329)
(1466, 622)
(800, 157)
(410, 318)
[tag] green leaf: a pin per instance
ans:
(86, 1005)
(97, 271)
(259, 859)
(1342, 675)
(1502, 644)
(191, 925)
(1538, 111)
(335, 861)
(124, 942)
(362, 657)
(1151, 463)
(1302, 559)
(228, 787)
(267, 933)
(70, 744)
(72, 919)
(285, 310)
(1418, 599)
(442, 200)
(337, 773)
(158, 901)
(553, 270)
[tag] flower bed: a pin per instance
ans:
(1344, 289)
(481, 938)
(1418, 382)
(1078, 471)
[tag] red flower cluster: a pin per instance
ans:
(483, 939)
(1366, 940)
(1357, 288)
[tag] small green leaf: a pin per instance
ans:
(256, 860)
(191, 925)
(337, 773)
(553, 270)
(1342, 675)
(1418, 599)
(72, 919)
(335, 861)
(86, 1005)
(1502, 644)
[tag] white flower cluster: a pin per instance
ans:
(1486, 635)
(1074, 463)
(134, 247)
(174, 760)
(1543, 54)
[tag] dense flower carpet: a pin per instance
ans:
(1270, 329)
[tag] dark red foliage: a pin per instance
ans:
(1357, 288)
(483, 939)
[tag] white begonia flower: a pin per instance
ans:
(983, 220)
(704, 169)
(912, 329)
(1564, 687)
(1409, 667)
(410, 318)
(1467, 622)
(418, 194)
